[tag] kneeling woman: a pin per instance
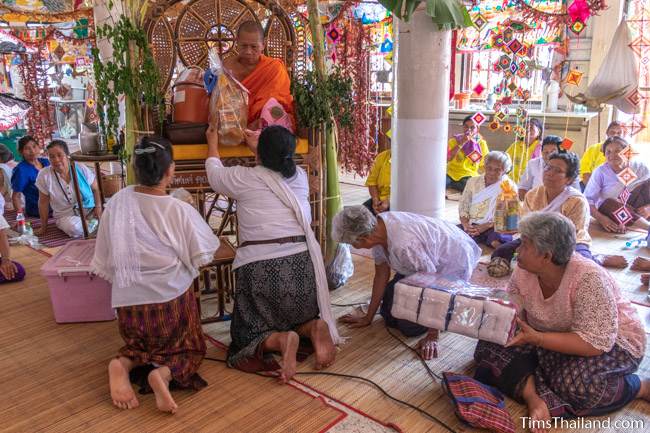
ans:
(281, 288)
(55, 188)
(150, 246)
(405, 243)
(580, 341)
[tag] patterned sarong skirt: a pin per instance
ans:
(275, 295)
(165, 334)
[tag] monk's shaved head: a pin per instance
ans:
(251, 27)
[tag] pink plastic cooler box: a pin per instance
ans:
(77, 295)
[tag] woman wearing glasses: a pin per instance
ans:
(556, 195)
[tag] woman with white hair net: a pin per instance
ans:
(405, 243)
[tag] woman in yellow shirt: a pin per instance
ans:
(525, 149)
(465, 155)
(594, 156)
(378, 184)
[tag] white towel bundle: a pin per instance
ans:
(433, 311)
(498, 322)
(466, 316)
(406, 300)
(473, 313)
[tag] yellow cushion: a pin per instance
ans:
(185, 152)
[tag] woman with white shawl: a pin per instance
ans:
(479, 199)
(556, 195)
(281, 290)
(150, 247)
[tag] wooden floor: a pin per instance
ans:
(53, 377)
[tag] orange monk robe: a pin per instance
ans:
(268, 80)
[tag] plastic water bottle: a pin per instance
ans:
(28, 229)
(635, 242)
(92, 225)
(20, 223)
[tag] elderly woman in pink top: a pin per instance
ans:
(580, 341)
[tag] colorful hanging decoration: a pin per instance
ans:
(479, 118)
(567, 143)
(624, 196)
(574, 77)
(579, 10)
(622, 215)
(627, 176)
(638, 20)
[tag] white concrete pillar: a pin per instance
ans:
(420, 120)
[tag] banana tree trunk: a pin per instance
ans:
(330, 162)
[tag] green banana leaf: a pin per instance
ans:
(447, 14)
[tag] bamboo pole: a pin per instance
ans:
(330, 160)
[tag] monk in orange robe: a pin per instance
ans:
(264, 77)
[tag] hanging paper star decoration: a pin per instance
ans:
(567, 143)
(479, 118)
(574, 77)
(627, 176)
(579, 10)
(624, 195)
(622, 215)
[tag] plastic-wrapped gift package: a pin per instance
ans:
(456, 306)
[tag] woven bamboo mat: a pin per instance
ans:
(54, 378)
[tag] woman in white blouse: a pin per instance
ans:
(56, 190)
(406, 243)
(281, 291)
(150, 247)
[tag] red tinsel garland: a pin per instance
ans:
(356, 146)
(39, 119)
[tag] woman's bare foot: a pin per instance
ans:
(612, 261)
(645, 279)
(427, 347)
(118, 381)
(539, 413)
(641, 264)
(289, 347)
(644, 391)
(159, 381)
(323, 344)
(537, 408)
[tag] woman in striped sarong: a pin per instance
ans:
(150, 246)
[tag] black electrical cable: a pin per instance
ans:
(363, 379)
(433, 375)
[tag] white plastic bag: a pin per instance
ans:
(341, 268)
(228, 102)
(618, 70)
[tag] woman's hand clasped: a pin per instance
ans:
(526, 335)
